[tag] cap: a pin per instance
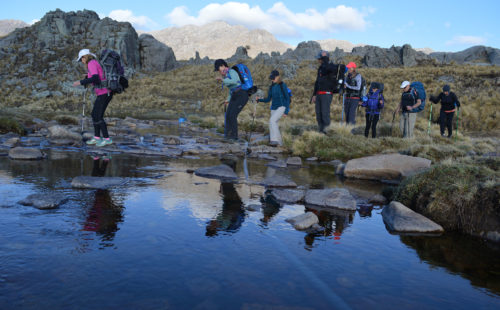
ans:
(321, 54)
(84, 52)
(218, 63)
(351, 65)
(404, 84)
(446, 87)
(274, 74)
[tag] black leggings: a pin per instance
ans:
(238, 100)
(371, 121)
(446, 120)
(100, 105)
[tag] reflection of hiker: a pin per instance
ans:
(373, 105)
(232, 214)
(334, 223)
(324, 87)
(236, 100)
(353, 90)
(449, 103)
(408, 106)
(280, 106)
(103, 217)
(99, 169)
(95, 75)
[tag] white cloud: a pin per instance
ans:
(128, 16)
(278, 20)
(466, 40)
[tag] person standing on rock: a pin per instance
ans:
(236, 100)
(324, 88)
(408, 105)
(95, 75)
(449, 104)
(353, 94)
(278, 93)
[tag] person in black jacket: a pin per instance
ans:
(324, 88)
(449, 103)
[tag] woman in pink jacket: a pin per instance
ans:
(95, 75)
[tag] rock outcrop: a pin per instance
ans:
(400, 218)
(155, 56)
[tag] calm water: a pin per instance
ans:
(172, 240)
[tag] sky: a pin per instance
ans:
(441, 25)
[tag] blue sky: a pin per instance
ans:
(440, 25)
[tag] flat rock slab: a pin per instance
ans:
(97, 182)
(339, 198)
(288, 195)
(25, 153)
(279, 181)
(277, 164)
(303, 221)
(400, 218)
(44, 201)
(294, 161)
(223, 172)
(385, 167)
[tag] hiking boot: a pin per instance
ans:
(104, 142)
(94, 140)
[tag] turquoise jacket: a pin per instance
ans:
(279, 95)
(231, 81)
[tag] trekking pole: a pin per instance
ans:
(343, 99)
(83, 109)
(430, 118)
(458, 116)
(253, 120)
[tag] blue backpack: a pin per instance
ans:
(245, 78)
(418, 87)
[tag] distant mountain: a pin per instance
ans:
(332, 44)
(217, 40)
(9, 25)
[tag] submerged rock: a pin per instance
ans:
(97, 182)
(385, 167)
(223, 172)
(44, 201)
(25, 153)
(400, 218)
(331, 198)
(303, 221)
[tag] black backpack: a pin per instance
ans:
(113, 72)
(338, 78)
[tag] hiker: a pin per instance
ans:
(449, 103)
(324, 88)
(280, 106)
(95, 75)
(374, 103)
(352, 86)
(408, 106)
(236, 100)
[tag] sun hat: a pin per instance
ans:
(84, 52)
(404, 84)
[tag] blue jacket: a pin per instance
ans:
(279, 94)
(373, 104)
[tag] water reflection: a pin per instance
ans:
(104, 214)
(334, 222)
(468, 256)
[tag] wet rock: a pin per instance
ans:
(44, 201)
(223, 172)
(339, 170)
(24, 153)
(400, 218)
(288, 195)
(303, 221)
(335, 163)
(97, 182)
(385, 167)
(171, 140)
(312, 159)
(60, 135)
(12, 142)
(265, 156)
(278, 181)
(277, 164)
(172, 152)
(331, 198)
(378, 200)
(294, 161)
(253, 207)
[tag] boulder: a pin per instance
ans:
(294, 161)
(59, 132)
(44, 201)
(303, 221)
(223, 172)
(155, 56)
(278, 181)
(378, 200)
(385, 167)
(288, 195)
(400, 218)
(12, 142)
(339, 198)
(97, 182)
(25, 153)
(277, 164)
